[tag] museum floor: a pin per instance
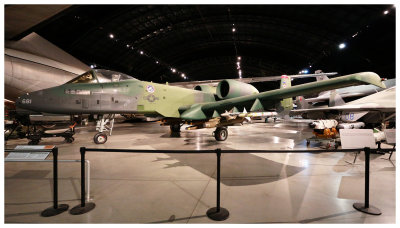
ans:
(180, 188)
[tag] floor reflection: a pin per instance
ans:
(237, 169)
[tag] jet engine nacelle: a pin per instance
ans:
(206, 89)
(229, 88)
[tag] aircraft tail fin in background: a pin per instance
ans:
(322, 77)
(286, 104)
(302, 103)
(335, 99)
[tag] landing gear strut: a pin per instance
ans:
(221, 133)
(176, 127)
(103, 124)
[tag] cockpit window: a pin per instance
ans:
(111, 76)
(86, 77)
(101, 76)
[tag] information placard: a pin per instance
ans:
(390, 135)
(357, 138)
(27, 156)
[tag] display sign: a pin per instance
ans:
(12, 156)
(390, 135)
(357, 138)
(26, 156)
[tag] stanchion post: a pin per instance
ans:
(218, 180)
(56, 209)
(84, 206)
(366, 207)
(218, 213)
(55, 177)
(83, 184)
(367, 152)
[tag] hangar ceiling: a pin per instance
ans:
(199, 41)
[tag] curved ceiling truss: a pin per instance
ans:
(199, 41)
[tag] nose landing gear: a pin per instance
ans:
(103, 124)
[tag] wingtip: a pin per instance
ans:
(374, 79)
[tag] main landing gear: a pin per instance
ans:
(176, 127)
(103, 124)
(221, 133)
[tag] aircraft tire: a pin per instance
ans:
(175, 127)
(70, 140)
(100, 138)
(221, 133)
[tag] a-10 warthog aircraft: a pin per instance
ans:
(107, 93)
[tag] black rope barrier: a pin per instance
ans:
(219, 213)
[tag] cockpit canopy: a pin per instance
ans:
(100, 76)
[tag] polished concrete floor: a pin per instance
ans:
(180, 188)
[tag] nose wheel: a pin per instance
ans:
(221, 133)
(100, 138)
(104, 124)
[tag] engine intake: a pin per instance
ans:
(206, 89)
(229, 88)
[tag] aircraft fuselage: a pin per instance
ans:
(129, 96)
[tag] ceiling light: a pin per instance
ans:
(342, 45)
(111, 36)
(386, 12)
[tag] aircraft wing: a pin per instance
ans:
(362, 107)
(267, 100)
(326, 98)
(192, 84)
(384, 101)
(354, 91)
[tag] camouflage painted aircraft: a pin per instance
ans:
(106, 93)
